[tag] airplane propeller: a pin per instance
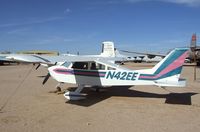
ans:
(46, 78)
(38, 66)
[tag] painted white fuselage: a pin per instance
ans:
(105, 73)
(118, 77)
(96, 77)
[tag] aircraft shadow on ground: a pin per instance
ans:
(124, 91)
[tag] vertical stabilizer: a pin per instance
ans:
(169, 69)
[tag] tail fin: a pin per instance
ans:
(167, 71)
(193, 42)
(108, 49)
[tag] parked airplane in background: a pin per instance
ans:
(153, 57)
(3, 60)
(194, 52)
(101, 72)
(136, 58)
(145, 57)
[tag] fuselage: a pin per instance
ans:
(105, 73)
(97, 77)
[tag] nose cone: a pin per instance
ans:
(58, 73)
(52, 71)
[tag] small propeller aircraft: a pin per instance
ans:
(101, 72)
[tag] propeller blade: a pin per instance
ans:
(38, 66)
(46, 78)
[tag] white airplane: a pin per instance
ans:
(101, 72)
(143, 57)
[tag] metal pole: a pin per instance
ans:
(195, 64)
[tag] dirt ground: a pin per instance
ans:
(27, 106)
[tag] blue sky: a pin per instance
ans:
(82, 25)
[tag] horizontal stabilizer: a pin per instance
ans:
(166, 83)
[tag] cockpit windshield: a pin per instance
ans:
(66, 64)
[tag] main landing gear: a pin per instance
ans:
(76, 95)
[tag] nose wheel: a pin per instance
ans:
(58, 89)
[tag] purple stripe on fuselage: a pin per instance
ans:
(63, 71)
(79, 72)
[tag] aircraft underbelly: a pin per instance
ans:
(113, 82)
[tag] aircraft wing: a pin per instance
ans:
(109, 63)
(27, 58)
(54, 59)
(148, 54)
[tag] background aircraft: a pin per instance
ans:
(194, 52)
(193, 55)
(137, 58)
(145, 57)
(5, 60)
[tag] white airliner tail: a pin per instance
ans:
(108, 49)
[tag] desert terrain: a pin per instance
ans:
(27, 106)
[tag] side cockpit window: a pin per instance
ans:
(91, 66)
(96, 66)
(101, 66)
(80, 65)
